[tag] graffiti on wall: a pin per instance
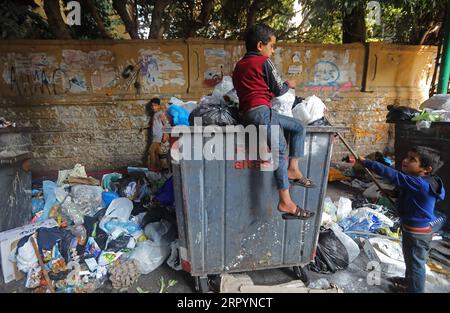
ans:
(30, 74)
(215, 60)
(331, 73)
(153, 70)
(87, 71)
(41, 73)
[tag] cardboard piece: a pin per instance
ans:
(8, 241)
(242, 283)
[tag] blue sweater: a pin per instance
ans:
(418, 194)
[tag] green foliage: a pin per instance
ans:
(402, 21)
(19, 21)
(88, 28)
(228, 19)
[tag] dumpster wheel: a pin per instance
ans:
(201, 284)
(301, 274)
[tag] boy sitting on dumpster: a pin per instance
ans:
(419, 190)
(256, 82)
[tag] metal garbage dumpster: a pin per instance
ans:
(437, 137)
(15, 178)
(227, 209)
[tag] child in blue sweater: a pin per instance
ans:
(419, 190)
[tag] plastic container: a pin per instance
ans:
(108, 197)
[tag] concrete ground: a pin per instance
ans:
(354, 279)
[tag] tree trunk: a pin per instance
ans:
(354, 25)
(101, 27)
(252, 13)
(121, 7)
(203, 18)
(55, 20)
(158, 10)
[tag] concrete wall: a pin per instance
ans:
(85, 99)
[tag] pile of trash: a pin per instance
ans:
(85, 232)
(219, 108)
(4, 123)
(309, 111)
(370, 223)
(343, 222)
(435, 109)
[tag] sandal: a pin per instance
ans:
(303, 182)
(397, 280)
(301, 214)
(397, 288)
(398, 284)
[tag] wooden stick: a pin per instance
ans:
(365, 168)
(41, 263)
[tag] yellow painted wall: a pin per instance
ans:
(83, 110)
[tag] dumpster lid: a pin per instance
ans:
(181, 129)
(15, 130)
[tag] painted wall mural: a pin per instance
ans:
(152, 70)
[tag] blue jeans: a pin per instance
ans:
(415, 252)
(263, 115)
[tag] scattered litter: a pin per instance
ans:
(321, 283)
(164, 286)
(123, 273)
(140, 290)
(4, 123)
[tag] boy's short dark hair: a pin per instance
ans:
(257, 33)
(149, 106)
(428, 157)
(156, 100)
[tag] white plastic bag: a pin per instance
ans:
(330, 208)
(283, 104)
(351, 246)
(344, 207)
(309, 110)
(26, 257)
(364, 213)
(87, 197)
(118, 211)
(223, 87)
(174, 258)
(149, 255)
(161, 232)
(232, 95)
(120, 208)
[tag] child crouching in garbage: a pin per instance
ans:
(159, 145)
(419, 190)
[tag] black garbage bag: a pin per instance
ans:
(331, 254)
(119, 243)
(219, 114)
(400, 113)
(320, 122)
(297, 101)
